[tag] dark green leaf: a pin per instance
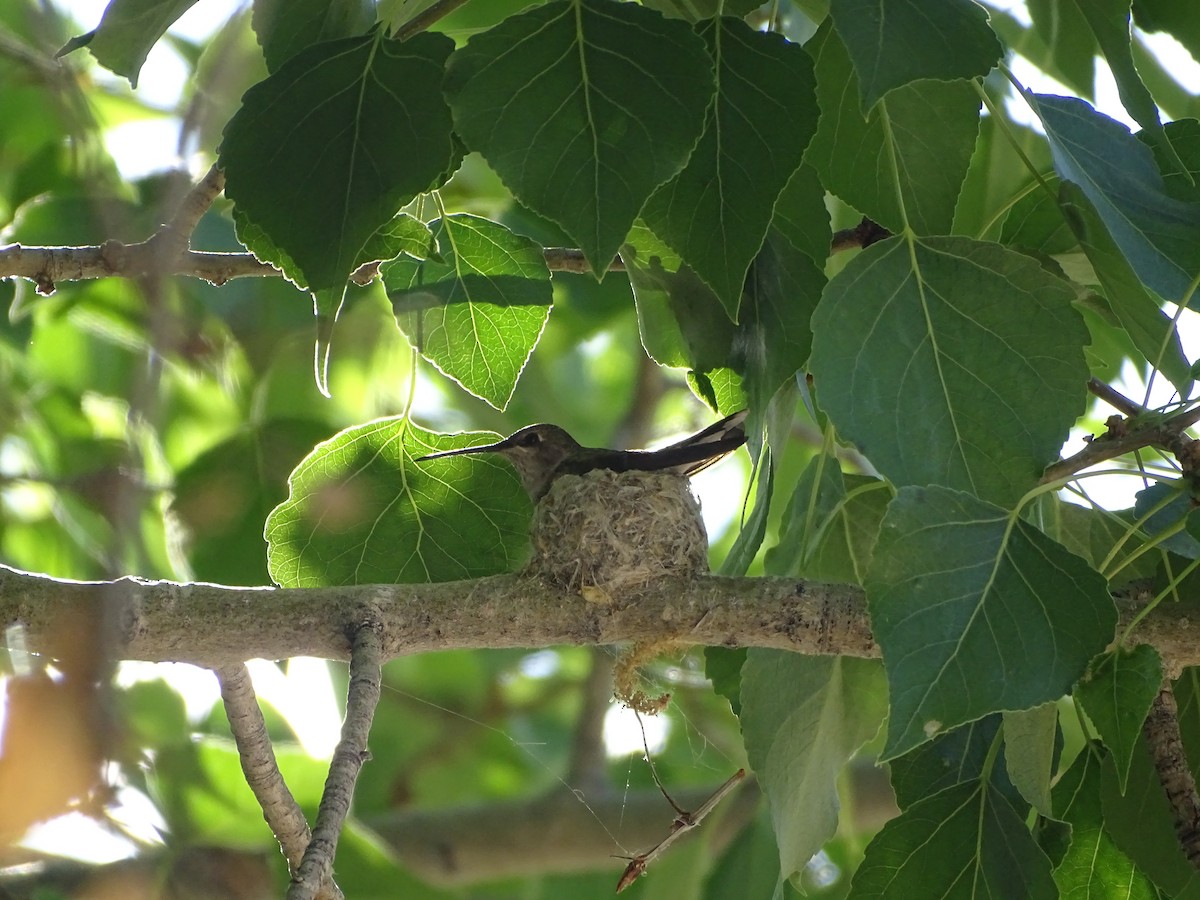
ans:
(127, 31)
(1036, 222)
(1092, 534)
(896, 42)
(966, 842)
(1172, 17)
(1093, 865)
(1030, 739)
(284, 29)
(323, 152)
(1159, 235)
(953, 758)
(916, 145)
(830, 525)
(1141, 823)
(976, 611)
(583, 108)
(715, 213)
(1068, 46)
(1169, 507)
(801, 217)
(681, 321)
(1136, 307)
(478, 313)
(1116, 694)
(723, 667)
(802, 718)
(926, 358)
(360, 511)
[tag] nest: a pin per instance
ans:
(605, 533)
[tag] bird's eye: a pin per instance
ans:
(531, 440)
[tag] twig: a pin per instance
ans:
(1115, 398)
(684, 822)
(1161, 730)
(174, 237)
(422, 21)
(362, 697)
(249, 730)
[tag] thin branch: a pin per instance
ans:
(174, 238)
(423, 20)
(362, 698)
(1115, 398)
(249, 730)
(1161, 729)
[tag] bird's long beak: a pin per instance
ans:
(462, 451)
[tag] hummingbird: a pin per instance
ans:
(541, 453)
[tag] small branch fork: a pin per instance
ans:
(1131, 433)
(362, 698)
(280, 809)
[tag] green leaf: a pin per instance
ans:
(943, 378)
(895, 42)
(583, 108)
(1029, 750)
(1159, 235)
(478, 313)
(965, 842)
(403, 234)
(802, 718)
(830, 525)
(283, 30)
(1116, 694)
(1068, 49)
(1141, 823)
(915, 146)
(715, 212)
(976, 611)
(1092, 534)
(1172, 17)
(323, 153)
(1109, 21)
(1169, 506)
(360, 511)
(1036, 222)
(127, 31)
(694, 10)
(723, 667)
(1136, 307)
(957, 756)
(772, 339)
(801, 217)
(1093, 866)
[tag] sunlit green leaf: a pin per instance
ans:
(477, 313)
(127, 31)
(1093, 866)
(548, 98)
(361, 511)
(976, 612)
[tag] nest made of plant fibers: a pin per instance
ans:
(606, 532)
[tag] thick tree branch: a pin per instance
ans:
(211, 625)
(362, 698)
(1161, 729)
